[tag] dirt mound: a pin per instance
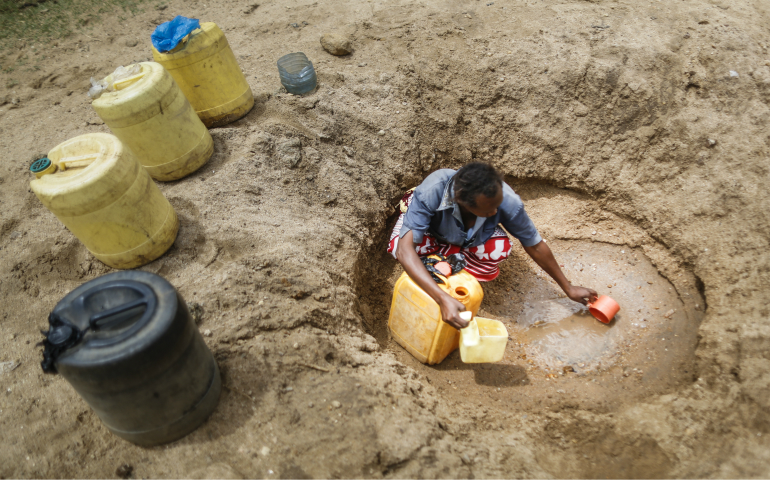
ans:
(646, 124)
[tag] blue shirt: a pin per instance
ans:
(433, 210)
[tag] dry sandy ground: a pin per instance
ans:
(616, 117)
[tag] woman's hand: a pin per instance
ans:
(580, 294)
(450, 311)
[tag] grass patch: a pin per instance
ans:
(40, 21)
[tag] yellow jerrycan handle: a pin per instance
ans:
(127, 82)
(79, 161)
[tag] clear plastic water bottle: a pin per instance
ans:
(297, 73)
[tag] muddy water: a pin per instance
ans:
(561, 332)
(557, 332)
(554, 332)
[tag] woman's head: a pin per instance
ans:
(479, 189)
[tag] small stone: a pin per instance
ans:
(11, 336)
(8, 366)
(689, 431)
(290, 152)
(295, 25)
(668, 314)
(336, 404)
(381, 133)
(295, 346)
(362, 64)
(288, 389)
(733, 73)
(465, 459)
(348, 151)
(336, 43)
(593, 233)
(132, 42)
(568, 369)
(310, 405)
(207, 333)
(609, 286)
(124, 471)
(265, 451)
(712, 142)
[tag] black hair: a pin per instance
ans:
(476, 179)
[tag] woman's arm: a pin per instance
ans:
(543, 256)
(450, 307)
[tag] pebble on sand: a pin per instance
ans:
(336, 43)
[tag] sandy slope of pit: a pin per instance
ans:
(626, 113)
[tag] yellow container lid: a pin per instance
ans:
(137, 98)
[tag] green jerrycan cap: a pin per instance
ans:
(42, 166)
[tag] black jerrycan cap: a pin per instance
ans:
(103, 315)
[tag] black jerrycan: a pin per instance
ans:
(127, 344)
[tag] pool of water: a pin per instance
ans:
(560, 333)
(553, 332)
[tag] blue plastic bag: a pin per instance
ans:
(168, 35)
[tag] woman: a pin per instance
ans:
(462, 211)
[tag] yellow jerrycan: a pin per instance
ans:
(415, 318)
(101, 193)
(149, 113)
(204, 66)
(483, 340)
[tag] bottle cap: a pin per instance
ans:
(42, 166)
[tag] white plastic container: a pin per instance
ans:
(483, 340)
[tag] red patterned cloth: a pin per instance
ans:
(483, 260)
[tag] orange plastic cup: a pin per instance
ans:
(604, 308)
